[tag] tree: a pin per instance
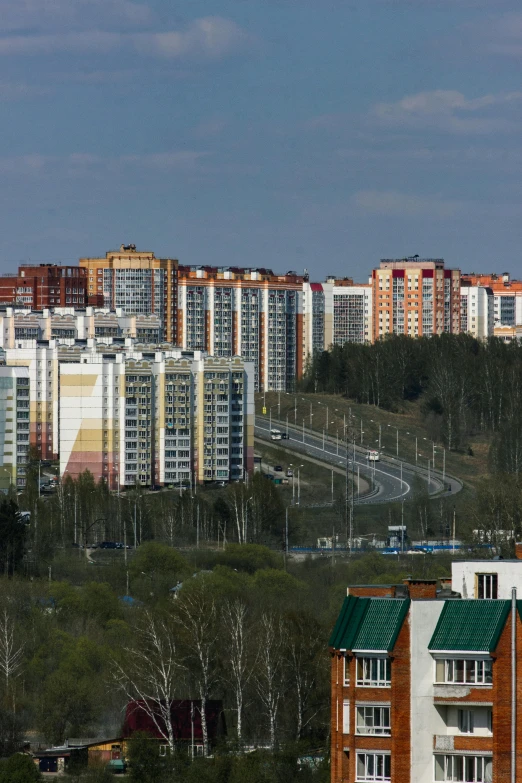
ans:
(269, 667)
(238, 669)
(19, 768)
(149, 669)
(11, 733)
(307, 666)
(197, 618)
(12, 537)
(11, 653)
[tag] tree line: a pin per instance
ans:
(466, 386)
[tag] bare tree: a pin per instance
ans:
(149, 672)
(196, 615)
(11, 651)
(269, 668)
(235, 624)
(304, 661)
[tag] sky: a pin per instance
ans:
(291, 134)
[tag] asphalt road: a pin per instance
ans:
(390, 480)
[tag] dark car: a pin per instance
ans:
(108, 545)
(278, 469)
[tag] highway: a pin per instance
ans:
(390, 479)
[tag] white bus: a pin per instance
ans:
(372, 456)
(275, 435)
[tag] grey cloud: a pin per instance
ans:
(451, 111)
(70, 14)
(207, 38)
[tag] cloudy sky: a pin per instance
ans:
(318, 134)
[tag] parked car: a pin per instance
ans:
(278, 469)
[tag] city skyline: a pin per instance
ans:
(314, 135)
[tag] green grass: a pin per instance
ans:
(343, 413)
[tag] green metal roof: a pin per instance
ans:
(369, 623)
(470, 625)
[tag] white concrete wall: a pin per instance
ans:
(425, 718)
(509, 575)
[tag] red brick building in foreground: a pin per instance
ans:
(424, 683)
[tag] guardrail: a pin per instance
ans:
(435, 476)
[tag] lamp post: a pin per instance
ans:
(299, 484)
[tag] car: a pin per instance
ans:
(278, 469)
(289, 473)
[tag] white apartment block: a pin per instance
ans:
(66, 325)
(336, 312)
(130, 412)
(476, 311)
(14, 425)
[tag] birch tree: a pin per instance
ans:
(269, 669)
(149, 672)
(304, 661)
(11, 652)
(197, 618)
(234, 616)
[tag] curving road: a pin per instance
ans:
(389, 479)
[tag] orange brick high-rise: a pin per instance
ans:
(415, 296)
(424, 683)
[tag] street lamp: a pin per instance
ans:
(397, 431)
(299, 483)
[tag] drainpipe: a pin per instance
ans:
(513, 682)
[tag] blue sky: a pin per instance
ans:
(318, 134)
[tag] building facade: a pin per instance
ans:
(336, 312)
(156, 418)
(416, 297)
(14, 425)
(476, 311)
(36, 286)
(245, 312)
(137, 282)
(68, 324)
(130, 412)
(423, 680)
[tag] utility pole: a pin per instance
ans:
(286, 536)
(332, 488)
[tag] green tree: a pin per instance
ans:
(19, 768)
(12, 537)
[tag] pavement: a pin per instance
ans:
(390, 478)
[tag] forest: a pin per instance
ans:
(80, 636)
(465, 386)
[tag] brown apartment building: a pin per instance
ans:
(138, 282)
(424, 679)
(415, 296)
(38, 286)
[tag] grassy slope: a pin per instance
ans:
(409, 422)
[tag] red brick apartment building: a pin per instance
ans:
(36, 286)
(424, 682)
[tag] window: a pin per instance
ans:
(374, 766)
(346, 717)
(464, 769)
(462, 670)
(373, 720)
(466, 722)
(374, 671)
(346, 670)
(487, 586)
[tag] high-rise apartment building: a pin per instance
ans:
(14, 424)
(156, 418)
(415, 296)
(507, 297)
(336, 312)
(476, 311)
(424, 680)
(137, 282)
(245, 312)
(36, 286)
(127, 411)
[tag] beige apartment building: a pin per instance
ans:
(138, 282)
